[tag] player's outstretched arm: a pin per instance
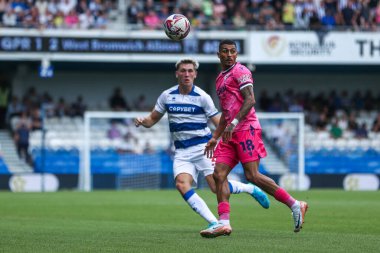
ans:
(148, 121)
(216, 119)
(211, 144)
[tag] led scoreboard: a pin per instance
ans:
(44, 44)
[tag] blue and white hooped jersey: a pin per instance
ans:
(188, 115)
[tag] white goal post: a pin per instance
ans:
(300, 117)
(85, 177)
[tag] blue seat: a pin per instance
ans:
(342, 161)
(109, 161)
(3, 167)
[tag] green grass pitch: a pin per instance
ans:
(160, 221)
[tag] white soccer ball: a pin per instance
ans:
(177, 27)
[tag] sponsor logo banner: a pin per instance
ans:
(361, 182)
(33, 183)
(315, 47)
(291, 182)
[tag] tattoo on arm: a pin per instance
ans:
(249, 101)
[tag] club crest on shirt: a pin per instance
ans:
(244, 78)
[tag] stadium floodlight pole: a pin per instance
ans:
(301, 139)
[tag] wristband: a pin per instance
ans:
(235, 122)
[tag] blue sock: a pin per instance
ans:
(231, 188)
(188, 194)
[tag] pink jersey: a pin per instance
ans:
(228, 86)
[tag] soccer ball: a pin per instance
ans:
(177, 27)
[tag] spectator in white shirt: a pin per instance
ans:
(86, 20)
(66, 6)
(9, 18)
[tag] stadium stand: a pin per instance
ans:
(114, 139)
(346, 124)
(265, 14)
(65, 14)
(217, 14)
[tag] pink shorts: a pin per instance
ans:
(245, 146)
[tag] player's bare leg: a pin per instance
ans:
(237, 187)
(223, 194)
(299, 208)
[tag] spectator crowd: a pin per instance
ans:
(25, 114)
(56, 14)
(33, 104)
(331, 118)
(323, 111)
(260, 14)
(334, 111)
(203, 14)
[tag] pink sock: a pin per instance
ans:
(284, 197)
(224, 210)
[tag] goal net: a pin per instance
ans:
(113, 145)
(141, 157)
(283, 135)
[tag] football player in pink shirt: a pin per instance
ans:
(241, 141)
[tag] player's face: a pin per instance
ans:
(227, 55)
(186, 74)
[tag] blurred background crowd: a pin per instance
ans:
(333, 111)
(336, 114)
(203, 14)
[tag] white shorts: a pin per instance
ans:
(192, 161)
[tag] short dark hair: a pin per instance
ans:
(226, 42)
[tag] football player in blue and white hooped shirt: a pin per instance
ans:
(189, 108)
